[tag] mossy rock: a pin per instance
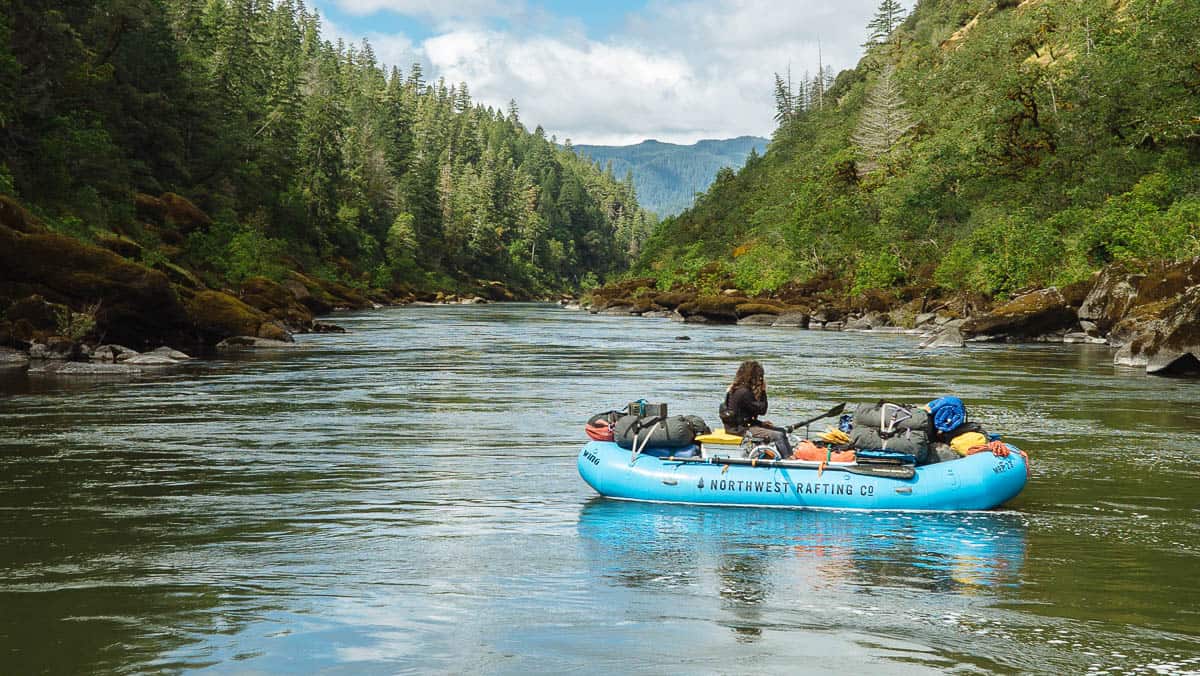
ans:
(277, 301)
(1025, 316)
(180, 275)
(1168, 281)
(673, 299)
(137, 305)
(185, 216)
(621, 292)
(757, 308)
(119, 244)
(713, 308)
(16, 217)
(149, 208)
(216, 315)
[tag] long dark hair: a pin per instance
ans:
(750, 375)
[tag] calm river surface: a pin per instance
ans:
(404, 499)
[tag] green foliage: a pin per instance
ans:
(253, 254)
(77, 325)
(299, 146)
(762, 267)
(1045, 141)
(880, 269)
(1002, 256)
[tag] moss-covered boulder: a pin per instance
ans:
(670, 300)
(119, 244)
(716, 309)
(1026, 316)
(181, 213)
(136, 305)
(15, 217)
(216, 315)
(323, 296)
(620, 293)
(277, 301)
(758, 308)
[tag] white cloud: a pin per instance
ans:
(680, 71)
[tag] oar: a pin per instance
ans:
(886, 471)
(836, 410)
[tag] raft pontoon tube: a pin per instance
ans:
(975, 482)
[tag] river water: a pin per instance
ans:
(404, 499)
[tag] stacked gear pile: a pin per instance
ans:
(647, 427)
(885, 430)
(936, 432)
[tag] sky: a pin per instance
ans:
(614, 72)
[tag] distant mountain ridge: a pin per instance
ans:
(667, 175)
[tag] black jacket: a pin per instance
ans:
(743, 408)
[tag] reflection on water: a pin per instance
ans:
(757, 556)
(404, 499)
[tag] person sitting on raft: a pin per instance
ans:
(745, 401)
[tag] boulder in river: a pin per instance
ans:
(713, 309)
(757, 320)
(171, 353)
(1170, 345)
(251, 342)
(949, 337)
(793, 319)
(113, 353)
(1033, 314)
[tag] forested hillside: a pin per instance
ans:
(980, 146)
(668, 176)
(302, 154)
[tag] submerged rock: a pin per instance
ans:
(249, 342)
(113, 353)
(171, 353)
(79, 368)
(950, 337)
(151, 359)
(326, 327)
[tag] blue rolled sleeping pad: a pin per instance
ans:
(948, 413)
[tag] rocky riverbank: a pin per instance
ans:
(1151, 316)
(74, 307)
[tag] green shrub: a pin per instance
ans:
(1002, 256)
(881, 269)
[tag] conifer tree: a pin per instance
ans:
(887, 19)
(882, 122)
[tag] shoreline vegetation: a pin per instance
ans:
(1000, 169)
(182, 173)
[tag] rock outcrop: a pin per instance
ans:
(1170, 345)
(217, 315)
(1026, 316)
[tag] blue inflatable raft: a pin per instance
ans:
(976, 482)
